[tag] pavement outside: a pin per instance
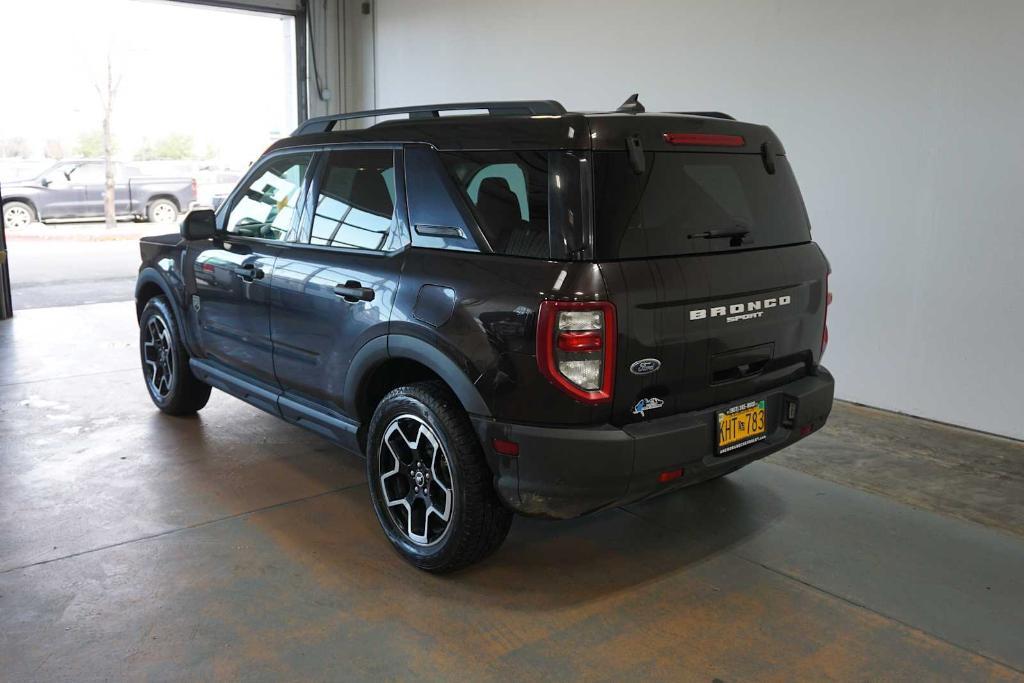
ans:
(67, 264)
(135, 545)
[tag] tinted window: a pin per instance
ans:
(683, 194)
(267, 207)
(355, 206)
(509, 194)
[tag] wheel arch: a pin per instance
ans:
(163, 195)
(151, 284)
(22, 200)
(390, 361)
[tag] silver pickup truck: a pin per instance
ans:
(74, 190)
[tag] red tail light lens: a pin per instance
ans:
(195, 187)
(576, 347)
(580, 342)
(705, 139)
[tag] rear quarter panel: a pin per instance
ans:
(491, 330)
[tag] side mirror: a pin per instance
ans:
(199, 224)
(45, 182)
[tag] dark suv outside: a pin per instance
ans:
(521, 310)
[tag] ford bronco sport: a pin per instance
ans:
(506, 306)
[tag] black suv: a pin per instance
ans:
(506, 306)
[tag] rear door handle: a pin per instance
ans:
(249, 272)
(353, 292)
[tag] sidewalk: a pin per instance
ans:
(89, 232)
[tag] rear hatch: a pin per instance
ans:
(704, 319)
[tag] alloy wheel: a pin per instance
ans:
(158, 355)
(415, 480)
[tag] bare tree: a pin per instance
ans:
(107, 94)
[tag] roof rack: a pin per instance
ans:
(324, 124)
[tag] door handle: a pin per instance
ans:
(353, 292)
(249, 272)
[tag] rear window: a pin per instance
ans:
(686, 193)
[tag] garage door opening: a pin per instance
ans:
(167, 102)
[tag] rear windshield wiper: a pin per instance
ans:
(735, 232)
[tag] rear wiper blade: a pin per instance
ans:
(715, 233)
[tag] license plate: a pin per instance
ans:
(741, 426)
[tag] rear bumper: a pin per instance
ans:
(566, 472)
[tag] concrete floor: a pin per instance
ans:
(134, 545)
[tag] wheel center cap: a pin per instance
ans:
(419, 478)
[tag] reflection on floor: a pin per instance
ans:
(136, 545)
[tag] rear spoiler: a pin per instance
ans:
(709, 114)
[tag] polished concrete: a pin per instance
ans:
(134, 545)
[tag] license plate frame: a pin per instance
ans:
(741, 425)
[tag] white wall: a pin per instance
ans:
(904, 121)
(342, 36)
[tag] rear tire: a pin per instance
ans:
(170, 382)
(18, 215)
(162, 211)
(429, 483)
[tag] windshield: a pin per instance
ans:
(667, 210)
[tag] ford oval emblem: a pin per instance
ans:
(645, 366)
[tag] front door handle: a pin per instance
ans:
(249, 272)
(353, 292)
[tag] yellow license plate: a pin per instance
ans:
(741, 425)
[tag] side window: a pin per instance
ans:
(512, 175)
(509, 194)
(89, 174)
(267, 208)
(355, 206)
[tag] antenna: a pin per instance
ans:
(632, 105)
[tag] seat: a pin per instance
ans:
(370, 193)
(498, 207)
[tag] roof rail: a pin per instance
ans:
(324, 124)
(711, 114)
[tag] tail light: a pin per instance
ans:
(195, 188)
(576, 347)
(824, 331)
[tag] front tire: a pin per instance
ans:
(429, 483)
(162, 211)
(18, 215)
(169, 380)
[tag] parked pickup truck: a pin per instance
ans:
(74, 189)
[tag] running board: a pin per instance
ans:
(329, 425)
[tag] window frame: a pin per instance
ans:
(398, 237)
(257, 169)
